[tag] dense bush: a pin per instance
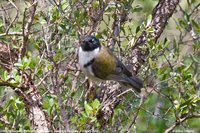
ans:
(39, 73)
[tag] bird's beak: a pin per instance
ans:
(82, 43)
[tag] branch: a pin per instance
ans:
(5, 83)
(26, 27)
(135, 115)
(96, 15)
(120, 17)
(11, 34)
(179, 121)
(7, 56)
(4, 121)
(161, 14)
(30, 94)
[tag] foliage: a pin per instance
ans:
(171, 72)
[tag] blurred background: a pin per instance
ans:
(45, 44)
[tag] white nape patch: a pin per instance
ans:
(85, 57)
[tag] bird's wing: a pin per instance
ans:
(107, 63)
(121, 69)
(104, 64)
(107, 66)
(125, 77)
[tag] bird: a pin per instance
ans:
(98, 63)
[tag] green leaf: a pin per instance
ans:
(74, 119)
(197, 26)
(45, 104)
(83, 114)
(1, 109)
(51, 102)
(150, 29)
(138, 8)
(96, 104)
(194, 58)
(137, 29)
(88, 108)
(182, 23)
(149, 18)
(18, 64)
(5, 75)
(93, 119)
(42, 21)
(187, 68)
(176, 104)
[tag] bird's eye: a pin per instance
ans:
(92, 40)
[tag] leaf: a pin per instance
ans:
(93, 119)
(176, 104)
(149, 18)
(1, 109)
(74, 119)
(187, 68)
(137, 29)
(151, 63)
(42, 21)
(51, 102)
(83, 114)
(5, 75)
(18, 64)
(138, 8)
(182, 23)
(197, 26)
(150, 29)
(96, 104)
(88, 108)
(45, 104)
(194, 58)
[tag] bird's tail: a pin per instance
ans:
(133, 82)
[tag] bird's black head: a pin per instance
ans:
(90, 43)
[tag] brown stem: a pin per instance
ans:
(160, 16)
(30, 94)
(178, 122)
(27, 27)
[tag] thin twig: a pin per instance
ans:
(15, 18)
(11, 34)
(136, 114)
(26, 27)
(181, 120)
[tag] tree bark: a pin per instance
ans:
(160, 16)
(30, 94)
